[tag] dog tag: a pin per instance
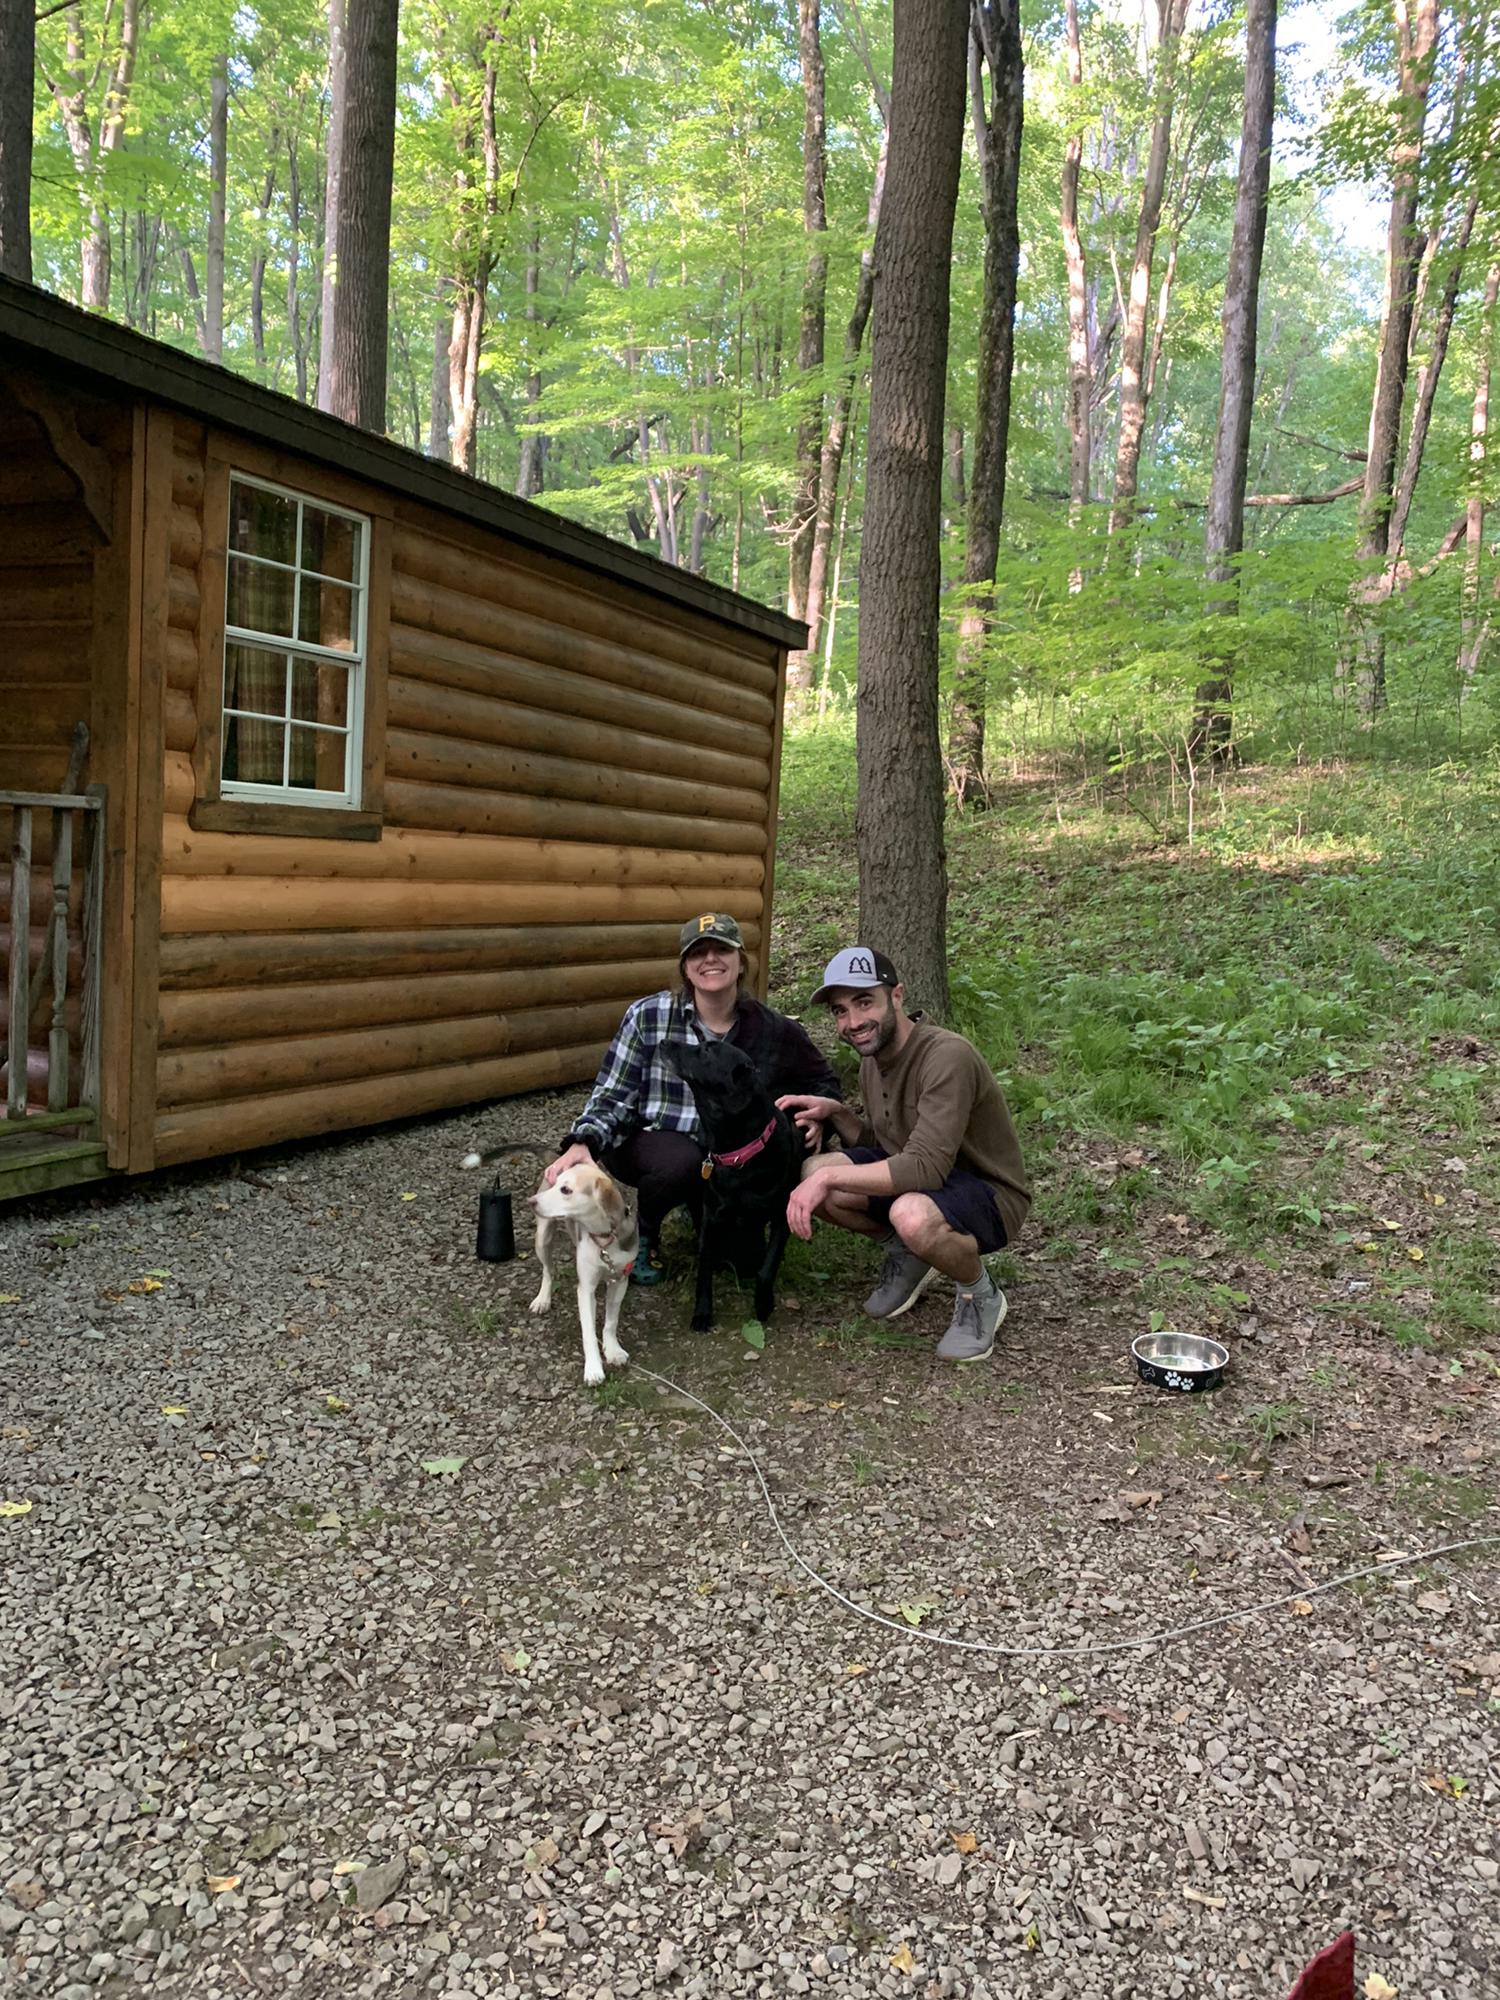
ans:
(707, 1169)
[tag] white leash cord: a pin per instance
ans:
(1146, 1639)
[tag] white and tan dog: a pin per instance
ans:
(600, 1217)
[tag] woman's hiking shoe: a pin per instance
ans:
(977, 1313)
(903, 1279)
(650, 1266)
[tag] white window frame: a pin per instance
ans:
(354, 661)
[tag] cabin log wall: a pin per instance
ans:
(571, 768)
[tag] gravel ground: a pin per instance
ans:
(281, 1709)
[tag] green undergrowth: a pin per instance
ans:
(1270, 1030)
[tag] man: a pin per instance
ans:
(934, 1168)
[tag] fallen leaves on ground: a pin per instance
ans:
(903, 1961)
(966, 1843)
(144, 1285)
(438, 1467)
(220, 1885)
(1377, 1988)
(11, 1510)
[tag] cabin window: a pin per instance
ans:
(295, 617)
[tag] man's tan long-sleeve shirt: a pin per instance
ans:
(936, 1106)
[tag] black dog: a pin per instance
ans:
(754, 1159)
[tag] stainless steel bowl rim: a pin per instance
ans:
(1183, 1351)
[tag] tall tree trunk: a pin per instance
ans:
(1471, 641)
(17, 87)
(440, 408)
(470, 285)
(355, 388)
(1224, 534)
(332, 184)
(1170, 16)
(903, 874)
(994, 45)
(218, 182)
(259, 261)
(91, 153)
(1416, 37)
(530, 471)
(1080, 371)
(294, 327)
(799, 666)
(843, 403)
(1427, 382)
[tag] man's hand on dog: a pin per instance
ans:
(810, 1115)
(576, 1156)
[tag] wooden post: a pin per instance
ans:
(57, 941)
(20, 948)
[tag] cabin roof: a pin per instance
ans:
(54, 334)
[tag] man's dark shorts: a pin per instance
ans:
(965, 1202)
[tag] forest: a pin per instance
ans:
(632, 275)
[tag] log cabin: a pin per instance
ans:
(335, 786)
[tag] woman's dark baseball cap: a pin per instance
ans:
(713, 927)
(857, 968)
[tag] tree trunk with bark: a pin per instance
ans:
(1427, 380)
(839, 422)
(1170, 15)
(530, 471)
(362, 246)
(804, 521)
(17, 86)
(218, 184)
(1416, 36)
(995, 47)
(1224, 534)
(1080, 371)
(333, 150)
(1475, 628)
(91, 151)
(439, 409)
(903, 876)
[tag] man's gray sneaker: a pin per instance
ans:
(903, 1279)
(977, 1312)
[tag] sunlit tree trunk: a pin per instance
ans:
(90, 151)
(218, 182)
(1416, 36)
(439, 410)
(1224, 534)
(530, 471)
(839, 421)
(17, 87)
(810, 338)
(903, 875)
(1427, 380)
(1080, 372)
(333, 151)
(994, 46)
(1170, 17)
(1471, 642)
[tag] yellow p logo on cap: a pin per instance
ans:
(706, 922)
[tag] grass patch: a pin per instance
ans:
(1277, 1032)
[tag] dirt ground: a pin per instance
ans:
(351, 1645)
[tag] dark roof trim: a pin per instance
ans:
(58, 333)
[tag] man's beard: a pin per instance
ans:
(885, 1033)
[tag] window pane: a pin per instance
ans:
(320, 693)
(260, 599)
(318, 759)
(330, 544)
(327, 614)
(262, 524)
(255, 679)
(252, 751)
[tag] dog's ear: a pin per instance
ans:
(611, 1200)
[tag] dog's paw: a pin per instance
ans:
(540, 1303)
(702, 1322)
(765, 1302)
(593, 1374)
(615, 1355)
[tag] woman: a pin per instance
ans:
(640, 1122)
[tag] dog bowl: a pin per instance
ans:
(1185, 1362)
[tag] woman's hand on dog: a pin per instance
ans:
(576, 1156)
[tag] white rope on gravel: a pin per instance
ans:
(986, 1646)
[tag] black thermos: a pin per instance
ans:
(496, 1242)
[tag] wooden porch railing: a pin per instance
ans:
(44, 1086)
